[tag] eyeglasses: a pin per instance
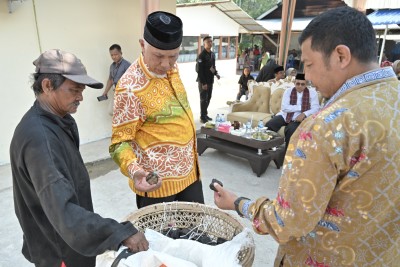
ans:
(301, 84)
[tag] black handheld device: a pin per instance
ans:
(102, 97)
(212, 184)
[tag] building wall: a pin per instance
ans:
(85, 28)
(199, 20)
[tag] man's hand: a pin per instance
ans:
(204, 86)
(224, 199)
(136, 242)
(301, 117)
(218, 77)
(142, 185)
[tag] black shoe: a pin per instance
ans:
(203, 120)
(208, 118)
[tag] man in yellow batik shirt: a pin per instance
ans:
(153, 128)
(338, 201)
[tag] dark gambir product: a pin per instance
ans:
(212, 184)
(152, 178)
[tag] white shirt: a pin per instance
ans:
(286, 107)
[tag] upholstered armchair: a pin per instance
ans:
(257, 107)
(261, 104)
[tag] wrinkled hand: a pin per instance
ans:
(136, 242)
(204, 86)
(142, 185)
(224, 199)
(301, 117)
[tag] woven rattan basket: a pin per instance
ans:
(162, 216)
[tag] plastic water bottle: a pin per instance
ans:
(248, 125)
(248, 128)
(260, 125)
(217, 121)
(222, 118)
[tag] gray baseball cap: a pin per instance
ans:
(66, 64)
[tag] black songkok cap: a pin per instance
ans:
(163, 30)
(300, 76)
(278, 69)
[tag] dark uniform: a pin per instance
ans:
(206, 73)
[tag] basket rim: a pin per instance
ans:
(248, 251)
(182, 205)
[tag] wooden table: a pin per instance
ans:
(258, 153)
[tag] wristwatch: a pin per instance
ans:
(237, 202)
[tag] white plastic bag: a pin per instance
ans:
(165, 251)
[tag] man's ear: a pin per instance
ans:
(343, 54)
(141, 42)
(46, 86)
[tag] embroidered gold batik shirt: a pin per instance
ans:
(338, 201)
(153, 129)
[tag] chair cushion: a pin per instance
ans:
(276, 100)
(259, 101)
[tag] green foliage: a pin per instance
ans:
(189, 1)
(255, 7)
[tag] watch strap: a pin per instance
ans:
(237, 203)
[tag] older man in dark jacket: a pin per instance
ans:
(51, 185)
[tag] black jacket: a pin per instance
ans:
(267, 72)
(206, 60)
(52, 195)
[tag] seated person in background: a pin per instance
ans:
(396, 68)
(298, 103)
(385, 62)
(243, 80)
(279, 74)
(290, 75)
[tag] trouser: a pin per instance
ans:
(110, 107)
(205, 98)
(277, 122)
(242, 92)
(192, 193)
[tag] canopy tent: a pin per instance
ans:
(384, 17)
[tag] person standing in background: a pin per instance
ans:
(338, 200)
(117, 69)
(205, 77)
(153, 130)
(243, 83)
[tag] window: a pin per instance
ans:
(188, 52)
